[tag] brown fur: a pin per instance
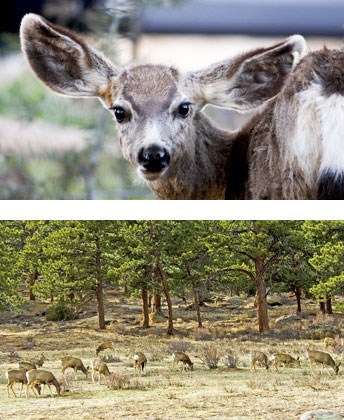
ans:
(259, 357)
(74, 363)
(140, 362)
(105, 345)
(101, 367)
(184, 359)
(285, 360)
(270, 175)
(41, 377)
(322, 358)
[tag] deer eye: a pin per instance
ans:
(120, 113)
(184, 109)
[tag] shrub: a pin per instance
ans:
(210, 356)
(61, 311)
(230, 360)
(121, 380)
(110, 358)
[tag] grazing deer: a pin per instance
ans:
(285, 360)
(26, 365)
(14, 376)
(74, 363)
(259, 357)
(101, 367)
(105, 346)
(140, 362)
(184, 359)
(290, 149)
(42, 377)
(320, 357)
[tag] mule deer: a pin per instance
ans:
(329, 342)
(101, 367)
(259, 357)
(43, 377)
(322, 358)
(74, 363)
(14, 376)
(285, 360)
(26, 365)
(105, 346)
(290, 149)
(184, 359)
(140, 362)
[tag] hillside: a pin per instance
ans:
(229, 333)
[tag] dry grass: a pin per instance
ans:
(165, 393)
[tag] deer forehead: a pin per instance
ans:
(149, 89)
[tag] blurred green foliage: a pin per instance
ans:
(64, 175)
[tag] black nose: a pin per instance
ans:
(154, 158)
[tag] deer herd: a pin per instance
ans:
(291, 148)
(34, 377)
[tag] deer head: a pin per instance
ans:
(156, 108)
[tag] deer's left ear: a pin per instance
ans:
(62, 60)
(247, 80)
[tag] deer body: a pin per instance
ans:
(101, 367)
(41, 377)
(259, 357)
(105, 346)
(322, 358)
(285, 360)
(14, 376)
(26, 365)
(74, 363)
(184, 359)
(140, 362)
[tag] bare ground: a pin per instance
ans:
(164, 392)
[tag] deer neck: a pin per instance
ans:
(200, 173)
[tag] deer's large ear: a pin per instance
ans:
(62, 60)
(247, 80)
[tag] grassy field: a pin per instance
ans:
(164, 392)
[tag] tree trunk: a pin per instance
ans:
(197, 308)
(329, 306)
(156, 302)
(167, 296)
(158, 270)
(145, 311)
(99, 289)
(32, 280)
(297, 292)
(322, 307)
(262, 307)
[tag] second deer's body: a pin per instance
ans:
(283, 359)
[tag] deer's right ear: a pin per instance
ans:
(62, 60)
